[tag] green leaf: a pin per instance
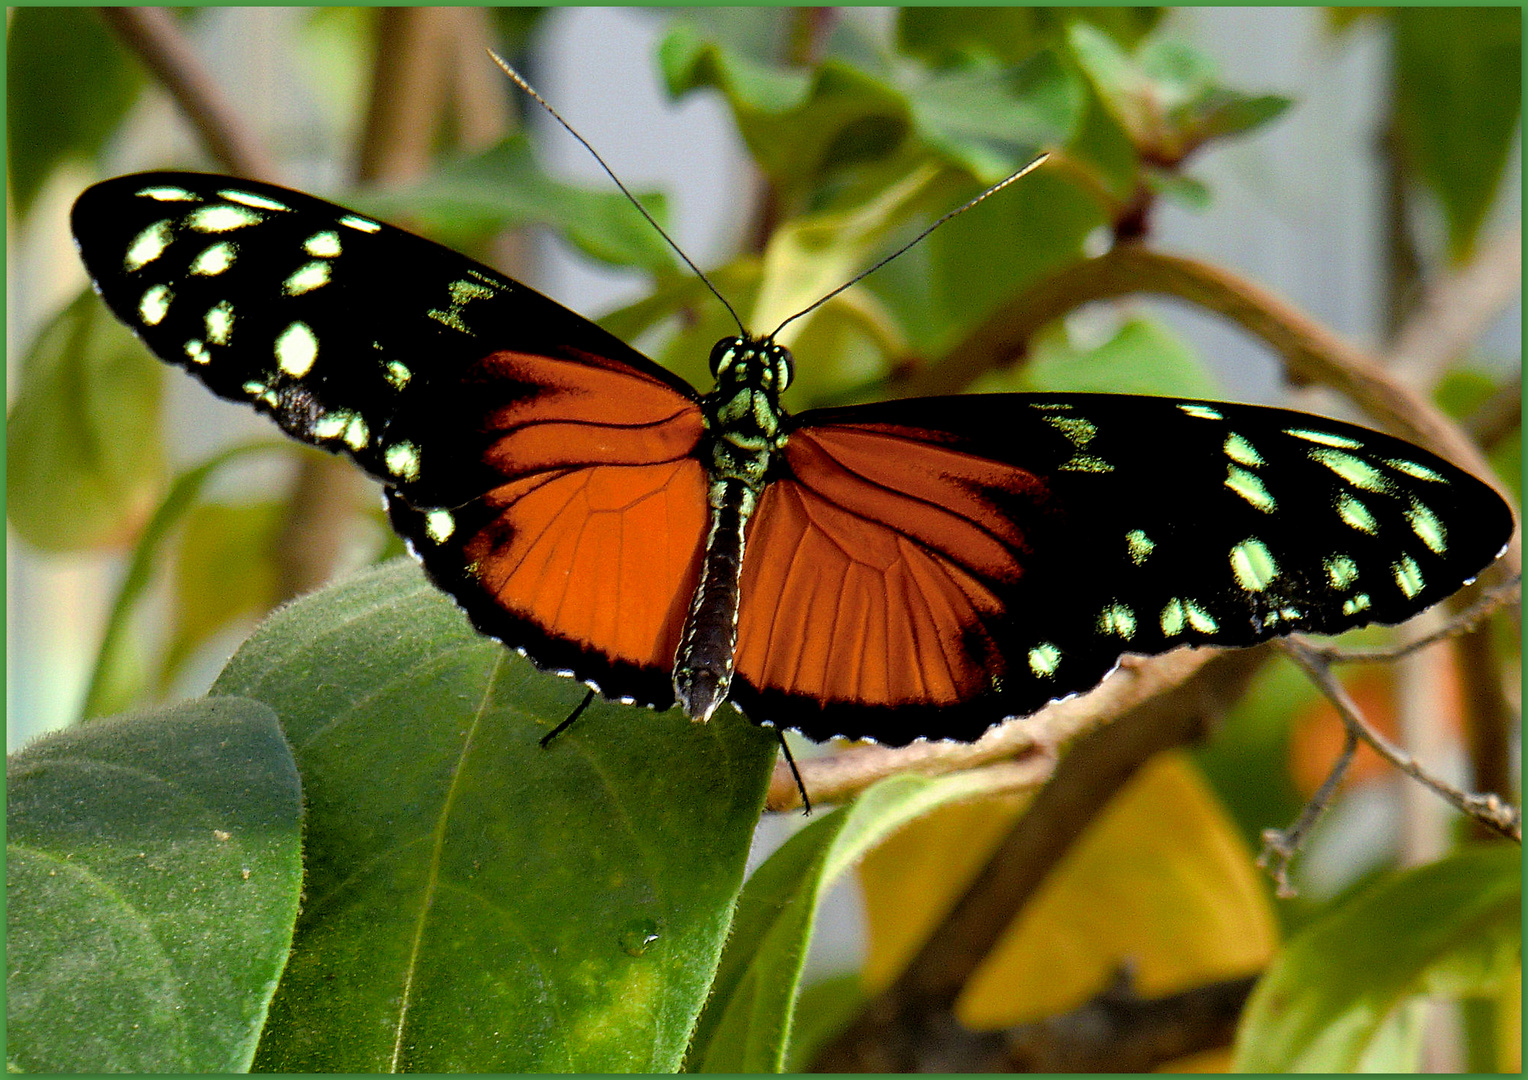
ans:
(947, 36)
(825, 1009)
(1183, 190)
(1143, 357)
(504, 188)
(68, 85)
(119, 674)
(808, 257)
(1168, 97)
(1121, 85)
(476, 902)
(746, 1026)
(992, 122)
(974, 262)
(84, 456)
(1458, 93)
(1452, 927)
(224, 571)
(800, 127)
(152, 879)
(1228, 112)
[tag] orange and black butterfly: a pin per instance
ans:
(912, 569)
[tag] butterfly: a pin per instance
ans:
(910, 569)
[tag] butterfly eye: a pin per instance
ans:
(722, 355)
(785, 367)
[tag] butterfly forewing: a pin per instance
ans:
(1024, 543)
(537, 464)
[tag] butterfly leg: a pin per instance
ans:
(574, 715)
(806, 800)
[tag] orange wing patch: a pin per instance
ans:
(596, 534)
(607, 556)
(869, 584)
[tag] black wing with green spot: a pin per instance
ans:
(1121, 524)
(352, 334)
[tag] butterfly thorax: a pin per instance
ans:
(744, 430)
(743, 414)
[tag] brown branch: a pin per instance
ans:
(154, 37)
(408, 92)
(1458, 309)
(1499, 415)
(1488, 716)
(886, 1036)
(1489, 809)
(1120, 1032)
(1029, 746)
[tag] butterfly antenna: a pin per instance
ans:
(993, 190)
(523, 85)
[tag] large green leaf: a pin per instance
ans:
(84, 458)
(67, 86)
(152, 881)
(504, 187)
(1458, 92)
(799, 126)
(991, 122)
(474, 902)
(1327, 1003)
(747, 1024)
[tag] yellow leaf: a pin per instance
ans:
(1161, 880)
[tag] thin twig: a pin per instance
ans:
(1280, 846)
(1508, 593)
(1488, 808)
(153, 35)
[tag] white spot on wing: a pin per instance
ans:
(323, 245)
(219, 321)
(439, 525)
(306, 278)
(1325, 438)
(148, 245)
(155, 305)
(214, 260)
(217, 219)
(168, 194)
(296, 349)
(249, 198)
(1253, 565)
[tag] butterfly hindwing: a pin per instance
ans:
(515, 437)
(989, 553)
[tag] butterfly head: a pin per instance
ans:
(755, 363)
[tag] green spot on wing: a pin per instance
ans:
(1253, 565)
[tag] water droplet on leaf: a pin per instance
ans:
(638, 937)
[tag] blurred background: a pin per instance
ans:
(1361, 164)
